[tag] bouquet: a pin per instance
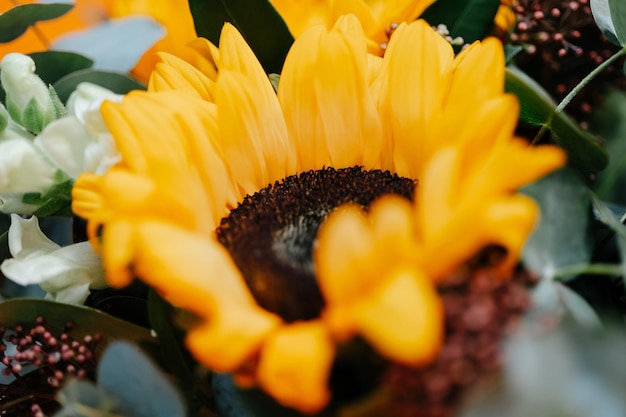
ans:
(324, 208)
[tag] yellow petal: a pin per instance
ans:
(172, 73)
(326, 101)
(403, 318)
(344, 244)
(295, 364)
(302, 14)
(250, 120)
(208, 57)
(411, 89)
(196, 273)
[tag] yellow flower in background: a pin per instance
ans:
(85, 13)
(173, 15)
(376, 16)
(224, 184)
(505, 19)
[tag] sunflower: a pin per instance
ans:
(294, 223)
(377, 17)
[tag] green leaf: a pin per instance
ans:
(56, 201)
(470, 19)
(538, 109)
(116, 82)
(17, 20)
(258, 22)
(564, 236)
(606, 216)
(610, 16)
(609, 122)
(24, 311)
(53, 65)
(139, 387)
(179, 361)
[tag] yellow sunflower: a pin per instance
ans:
(246, 207)
(376, 16)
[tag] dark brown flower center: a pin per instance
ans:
(271, 234)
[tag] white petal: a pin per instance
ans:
(26, 238)
(64, 142)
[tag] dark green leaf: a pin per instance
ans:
(538, 109)
(24, 311)
(139, 387)
(116, 82)
(17, 20)
(601, 10)
(53, 65)
(563, 236)
(258, 22)
(470, 19)
(179, 360)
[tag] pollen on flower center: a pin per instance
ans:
(271, 234)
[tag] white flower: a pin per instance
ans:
(28, 98)
(65, 273)
(81, 142)
(23, 169)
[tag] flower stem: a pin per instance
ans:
(570, 96)
(571, 271)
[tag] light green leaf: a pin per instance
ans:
(606, 216)
(538, 109)
(601, 10)
(139, 387)
(17, 20)
(257, 21)
(563, 236)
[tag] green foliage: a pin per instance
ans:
(17, 20)
(564, 372)
(54, 65)
(24, 311)
(538, 109)
(257, 21)
(139, 387)
(610, 16)
(116, 82)
(129, 384)
(56, 201)
(470, 19)
(563, 236)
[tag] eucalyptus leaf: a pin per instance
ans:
(564, 372)
(53, 65)
(609, 122)
(139, 387)
(470, 19)
(116, 82)
(84, 399)
(115, 44)
(17, 20)
(606, 216)
(257, 21)
(564, 235)
(610, 16)
(538, 109)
